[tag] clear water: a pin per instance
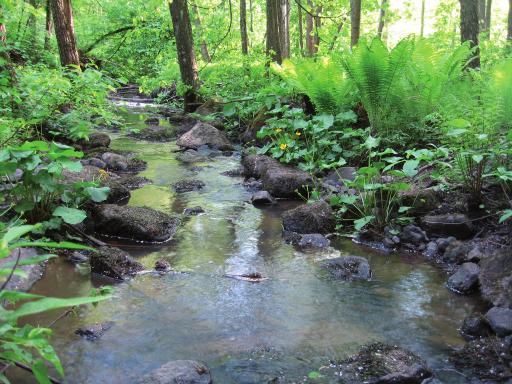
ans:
(293, 322)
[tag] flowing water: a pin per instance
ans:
(294, 322)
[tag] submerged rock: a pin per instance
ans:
(155, 133)
(500, 320)
(313, 240)
(94, 331)
(204, 134)
(384, 364)
(179, 372)
(348, 268)
(114, 262)
(310, 218)
(262, 198)
(134, 182)
(456, 225)
(496, 278)
(465, 279)
(162, 266)
(188, 185)
(135, 223)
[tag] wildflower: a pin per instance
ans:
(278, 130)
(298, 133)
(283, 146)
(103, 174)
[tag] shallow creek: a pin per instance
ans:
(288, 325)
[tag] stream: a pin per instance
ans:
(292, 323)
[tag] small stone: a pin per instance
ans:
(388, 243)
(194, 211)
(188, 185)
(114, 161)
(313, 240)
(500, 320)
(94, 331)
(456, 252)
(475, 325)
(348, 268)
(443, 243)
(310, 218)
(413, 235)
(395, 239)
(114, 262)
(431, 249)
(179, 372)
(162, 265)
(262, 198)
(465, 279)
(78, 257)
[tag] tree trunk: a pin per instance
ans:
(185, 51)
(65, 32)
(273, 40)
(301, 31)
(283, 24)
(48, 27)
(481, 15)
(313, 22)
(251, 17)
(243, 27)
(469, 27)
(382, 14)
(509, 27)
(355, 20)
(422, 28)
(488, 13)
(202, 45)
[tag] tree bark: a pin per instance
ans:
(185, 51)
(509, 26)
(283, 23)
(301, 31)
(202, 45)
(481, 15)
(469, 28)
(313, 22)
(422, 27)
(488, 13)
(65, 32)
(382, 14)
(355, 20)
(48, 26)
(273, 40)
(243, 27)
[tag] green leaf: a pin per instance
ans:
(70, 215)
(507, 214)
(371, 142)
(14, 233)
(459, 123)
(98, 194)
(477, 158)
(314, 375)
(40, 372)
(362, 222)
(410, 168)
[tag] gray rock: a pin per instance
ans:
(134, 182)
(500, 320)
(388, 243)
(310, 218)
(474, 326)
(252, 185)
(188, 185)
(191, 156)
(155, 133)
(412, 234)
(204, 134)
(33, 271)
(443, 243)
(338, 176)
(496, 278)
(254, 165)
(456, 252)
(153, 120)
(348, 268)
(179, 372)
(95, 162)
(313, 240)
(162, 265)
(421, 200)
(115, 161)
(379, 363)
(465, 279)
(456, 225)
(431, 249)
(94, 331)
(194, 211)
(286, 181)
(262, 198)
(118, 192)
(134, 223)
(114, 262)
(96, 140)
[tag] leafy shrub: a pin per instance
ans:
(41, 193)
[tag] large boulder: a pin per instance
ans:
(411, 234)
(255, 165)
(96, 140)
(286, 181)
(134, 223)
(114, 262)
(500, 320)
(115, 161)
(496, 278)
(348, 268)
(310, 218)
(456, 225)
(465, 279)
(179, 372)
(204, 134)
(379, 363)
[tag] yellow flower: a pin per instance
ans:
(278, 130)
(283, 147)
(298, 133)
(103, 174)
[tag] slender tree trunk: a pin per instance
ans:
(488, 13)
(185, 51)
(243, 27)
(382, 14)
(202, 45)
(355, 20)
(310, 43)
(422, 28)
(340, 27)
(301, 31)
(318, 25)
(65, 32)
(251, 18)
(509, 26)
(273, 39)
(48, 26)
(469, 27)
(283, 24)
(481, 15)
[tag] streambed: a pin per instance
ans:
(294, 322)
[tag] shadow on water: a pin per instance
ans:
(285, 326)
